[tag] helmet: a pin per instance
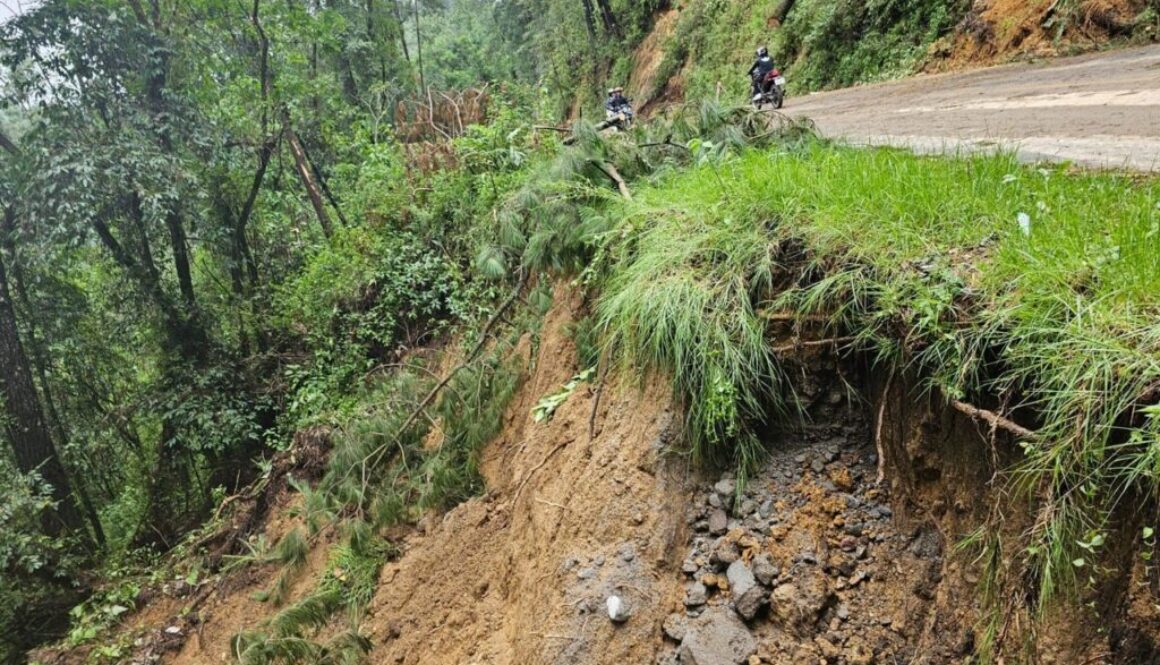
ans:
(762, 52)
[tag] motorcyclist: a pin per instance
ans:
(760, 69)
(616, 100)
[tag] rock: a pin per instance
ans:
(806, 557)
(817, 466)
(626, 552)
(696, 595)
(638, 518)
(748, 507)
(675, 627)
(859, 655)
(718, 522)
(173, 630)
(689, 567)
(715, 501)
(725, 488)
(598, 561)
(800, 459)
(748, 597)
(725, 551)
(619, 609)
(764, 570)
(766, 508)
(717, 637)
(799, 605)
(843, 612)
(586, 573)
(740, 578)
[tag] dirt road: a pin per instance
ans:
(1099, 110)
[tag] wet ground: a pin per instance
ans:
(1100, 110)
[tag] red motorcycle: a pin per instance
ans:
(771, 91)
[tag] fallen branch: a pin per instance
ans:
(532, 472)
(549, 128)
(794, 316)
(994, 419)
(664, 144)
(596, 400)
(835, 341)
(373, 457)
(610, 171)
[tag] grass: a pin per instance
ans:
(988, 277)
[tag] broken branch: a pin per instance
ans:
(993, 419)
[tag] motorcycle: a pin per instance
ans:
(619, 120)
(771, 91)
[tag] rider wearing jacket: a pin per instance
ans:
(762, 67)
(616, 100)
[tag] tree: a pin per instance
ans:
(25, 425)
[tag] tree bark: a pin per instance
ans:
(308, 182)
(783, 10)
(419, 49)
(589, 20)
(39, 363)
(610, 25)
(25, 424)
(402, 31)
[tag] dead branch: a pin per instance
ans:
(614, 175)
(994, 419)
(532, 472)
(600, 374)
(794, 317)
(549, 128)
(833, 341)
(377, 453)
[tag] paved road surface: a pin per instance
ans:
(1099, 110)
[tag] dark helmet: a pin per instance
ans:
(762, 52)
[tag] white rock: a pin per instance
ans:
(617, 609)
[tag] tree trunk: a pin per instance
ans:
(783, 10)
(589, 21)
(419, 50)
(609, 18)
(40, 362)
(25, 424)
(180, 246)
(308, 182)
(402, 31)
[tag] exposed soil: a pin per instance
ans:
(997, 31)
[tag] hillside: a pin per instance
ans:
(699, 49)
(333, 333)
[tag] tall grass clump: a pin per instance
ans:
(998, 282)
(683, 299)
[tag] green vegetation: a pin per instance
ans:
(822, 44)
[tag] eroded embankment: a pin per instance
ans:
(814, 559)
